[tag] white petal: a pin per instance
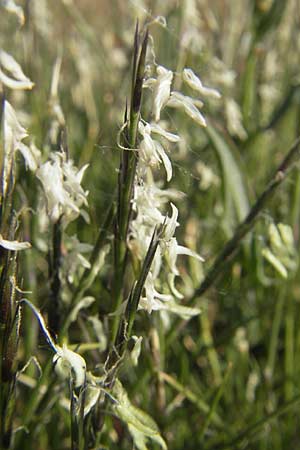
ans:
(30, 155)
(19, 80)
(171, 281)
(195, 83)
(82, 304)
(149, 83)
(14, 245)
(181, 250)
(136, 351)
(13, 130)
(234, 119)
(178, 100)
(171, 223)
(162, 90)
(155, 128)
(13, 133)
(68, 361)
(92, 395)
(165, 159)
(171, 255)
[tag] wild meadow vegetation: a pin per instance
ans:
(149, 224)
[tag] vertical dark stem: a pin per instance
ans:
(127, 174)
(54, 313)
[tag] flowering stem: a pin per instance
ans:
(127, 175)
(125, 328)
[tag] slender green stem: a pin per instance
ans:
(276, 323)
(247, 225)
(289, 348)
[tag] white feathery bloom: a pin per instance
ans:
(195, 83)
(16, 78)
(61, 184)
(162, 89)
(189, 105)
(69, 363)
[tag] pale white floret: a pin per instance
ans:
(69, 363)
(51, 176)
(171, 224)
(91, 398)
(234, 119)
(13, 134)
(75, 260)
(162, 89)
(173, 250)
(155, 128)
(63, 191)
(165, 159)
(151, 151)
(14, 245)
(31, 155)
(178, 100)
(195, 83)
(152, 301)
(16, 78)
(136, 351)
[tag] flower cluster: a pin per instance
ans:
(61, 182)
(150, 201)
